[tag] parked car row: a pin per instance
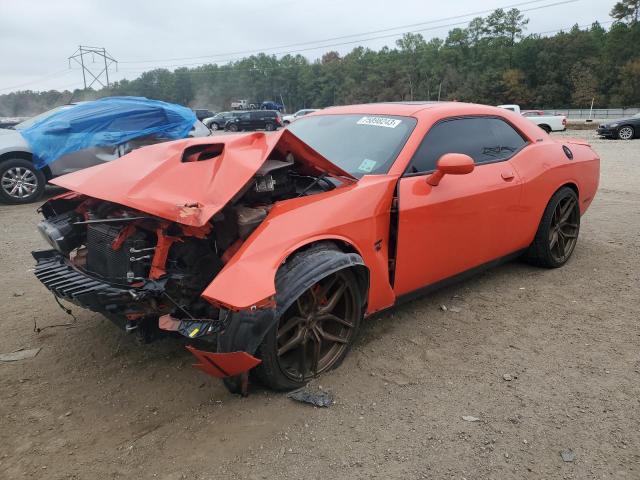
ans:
(266, 105)
(245, 121)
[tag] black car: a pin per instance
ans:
(202, 113)
(219, 120)
(255, 120)
(623, 128)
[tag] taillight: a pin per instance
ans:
(278, 121)
(564, 120)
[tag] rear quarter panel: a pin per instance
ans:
(546, 169)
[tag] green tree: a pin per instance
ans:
(626, 11)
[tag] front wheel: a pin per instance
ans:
(20, 181)
(314, 334)
(546, 128)
(625, 133)
(214, 126)
(557, 233)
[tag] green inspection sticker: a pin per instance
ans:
(367, 165)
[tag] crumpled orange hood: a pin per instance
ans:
(158, 181)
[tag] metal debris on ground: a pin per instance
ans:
(319, 398)
(507, 377)
(469, 418)
(19, 355)
(568, 455)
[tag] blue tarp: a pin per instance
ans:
(109, 121)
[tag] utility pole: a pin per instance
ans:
(78, 57)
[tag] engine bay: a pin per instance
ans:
(153, 266)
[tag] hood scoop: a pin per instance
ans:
(188, 181)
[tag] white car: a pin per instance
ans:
(549, 123)
(287, 119)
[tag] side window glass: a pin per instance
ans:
(484, 139)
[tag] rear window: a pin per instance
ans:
(359, 144)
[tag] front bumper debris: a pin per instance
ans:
(223, 365)
(67, 282)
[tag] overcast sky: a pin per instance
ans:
(36, 36)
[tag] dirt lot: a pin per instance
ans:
(95, 405)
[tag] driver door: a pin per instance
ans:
(466, 220)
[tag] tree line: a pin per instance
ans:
(493, 60)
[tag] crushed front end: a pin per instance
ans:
(147, 273)
(130, 266)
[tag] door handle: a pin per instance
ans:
(507, 175)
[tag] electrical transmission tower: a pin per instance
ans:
(79, 58)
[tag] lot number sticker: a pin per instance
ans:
(379, 122)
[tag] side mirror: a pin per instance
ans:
(452, 164)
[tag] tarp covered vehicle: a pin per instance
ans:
(276, 245)
(76, 136)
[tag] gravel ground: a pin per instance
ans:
(94, 404)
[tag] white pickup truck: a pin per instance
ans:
(549, 123)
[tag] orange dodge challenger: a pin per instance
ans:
(268, 250)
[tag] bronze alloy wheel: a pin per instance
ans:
(316, 330)
(563, 232)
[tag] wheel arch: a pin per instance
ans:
(572, 185)
(343, 245)
(26, 156)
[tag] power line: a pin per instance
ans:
(371, 32)
(47, 76)
(397, 34)
(228, 67)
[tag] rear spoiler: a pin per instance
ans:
(574, 141)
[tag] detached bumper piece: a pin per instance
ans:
(66, 282)
(232, 367)
(223, 365)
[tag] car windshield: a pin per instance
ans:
(359, 144)
(30, 121)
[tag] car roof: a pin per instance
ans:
(413, 109)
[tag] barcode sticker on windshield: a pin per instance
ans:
(379, 122)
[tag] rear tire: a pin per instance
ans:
(558, 231)
(626, 132)
(269, 127)
(233, 128)
(20, 181)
